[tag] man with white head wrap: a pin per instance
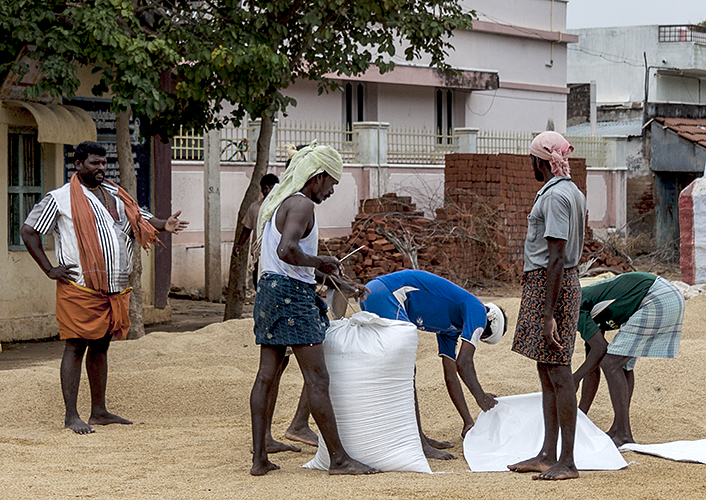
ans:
(287, 311)
(551, 296)
(436, 305)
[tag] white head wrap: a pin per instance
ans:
(306, 163)
(496, 320)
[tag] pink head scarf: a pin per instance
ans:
(553, 147)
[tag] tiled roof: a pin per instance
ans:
(693, 130)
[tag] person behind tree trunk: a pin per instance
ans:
(95, 223)
(267, 182)
(551, 295)
(649, 312)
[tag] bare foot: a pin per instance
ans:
(273, 446)
(439, 445)
(352, 467)
(431, 452)
(107, 419)
(306, 436)
(466, 428)
(78, 426)
(558, 472)
(621, 439)
(264, 468)
(536, 464)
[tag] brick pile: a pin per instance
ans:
(460, 246)
(478, 235)
(605, 257)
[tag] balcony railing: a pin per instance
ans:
(405, 145)
(683, 33)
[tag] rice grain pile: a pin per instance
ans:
(188, 394)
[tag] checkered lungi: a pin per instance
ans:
(654, 330)
(288, 312)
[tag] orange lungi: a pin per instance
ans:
(88, 314)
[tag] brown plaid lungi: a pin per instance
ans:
(529, 340)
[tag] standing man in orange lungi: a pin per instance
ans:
(94, 223)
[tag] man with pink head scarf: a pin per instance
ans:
(552, 146)
(551, 297)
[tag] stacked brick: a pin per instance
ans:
(506, 182)
(478, 235)
(379, 255)
(604, 258)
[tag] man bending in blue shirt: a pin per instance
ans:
(436, 305)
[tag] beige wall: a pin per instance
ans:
(27, 296)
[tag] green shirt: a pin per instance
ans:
(626, 292)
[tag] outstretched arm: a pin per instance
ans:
(599, 346)
(172, 225)
(357, 290)
(453, 386)
(467, 370)
(33, 242)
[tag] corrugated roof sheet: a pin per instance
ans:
(630, 129)
(691, 129)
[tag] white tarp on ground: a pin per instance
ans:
(514, 431)
(681, 451)
(370, 361)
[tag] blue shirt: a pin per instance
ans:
(432, 303)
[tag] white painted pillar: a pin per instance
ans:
(371, 153)
(467, 138)
(212, 215)
(616, 151)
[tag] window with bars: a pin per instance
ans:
(25, 181)
(354, 103)
(444, 116)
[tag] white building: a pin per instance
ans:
(512, 69)
(644, 72)
(517, 50)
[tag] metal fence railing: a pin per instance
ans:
(504, 141)
(235, 144)
(302, 133)
(592, 148)
(411, 145)
(405, 145)
(187, 145)
(682, 33)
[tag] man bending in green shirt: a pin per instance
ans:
(648, 311)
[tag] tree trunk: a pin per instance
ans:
(237, 276)
(128, 181)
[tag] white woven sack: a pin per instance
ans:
(370, 361)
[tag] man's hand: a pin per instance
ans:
(551, 334)
(174, 225)
(356, 290)
(486, 401)
(63, 273)
(329, 265)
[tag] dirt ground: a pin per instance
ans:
(188, 394)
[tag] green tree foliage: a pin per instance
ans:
(250, 52)
(119, 40)
(242, 52)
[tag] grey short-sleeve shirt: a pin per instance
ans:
(559, 212)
